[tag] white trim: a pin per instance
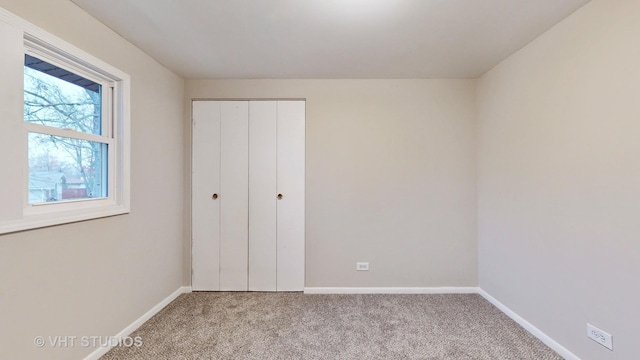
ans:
(40, 49)
(391, 290)
(68, 133)
(44, 220)
(141, 320)
(118, 137)
(546, 339)
(32, 32)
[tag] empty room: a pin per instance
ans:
(335, 179)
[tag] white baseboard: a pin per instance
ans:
(568, 355)
(141, 320)
(390, 290)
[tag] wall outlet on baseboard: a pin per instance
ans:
(601, 337)
(362, 266)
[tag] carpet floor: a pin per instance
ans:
(219, 325)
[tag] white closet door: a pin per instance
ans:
(262, 195)
(247, 153)
(290, 208)
(234, 195)
(205, 215)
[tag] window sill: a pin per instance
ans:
(29, 222)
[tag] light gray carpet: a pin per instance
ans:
(202, 325)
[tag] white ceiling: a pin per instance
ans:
(330, 38)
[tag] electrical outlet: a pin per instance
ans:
(601, 337)
(362, 266)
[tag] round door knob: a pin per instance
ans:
(214, 196)
(279, 196)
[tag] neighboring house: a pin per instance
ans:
(46, 186)
(74, 188)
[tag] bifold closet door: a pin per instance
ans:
(234, 195)
(290, 212)
(276, 195)
(220, 195)
(248, 195)
(263, 117)
(205, 185)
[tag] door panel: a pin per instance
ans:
(262, 195)
(290, 209)
(205, 214)
(234, 195)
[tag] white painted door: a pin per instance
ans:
(234, 195)
(220, 196)
(205, 185)
(262, 195)
(248, 195)
(291, 203)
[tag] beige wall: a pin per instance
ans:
(559, 180)
(390, 177)
(96, 277)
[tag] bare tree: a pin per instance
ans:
(50, 103)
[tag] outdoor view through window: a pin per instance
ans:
(64, 162)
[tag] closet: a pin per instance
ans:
(248, 195)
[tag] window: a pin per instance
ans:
(72, 166)
(70, 155)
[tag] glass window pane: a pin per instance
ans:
(62, 169)
(56, 97)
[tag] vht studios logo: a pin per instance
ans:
(87, 341)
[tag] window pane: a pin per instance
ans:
(62, 168)
(56, 97)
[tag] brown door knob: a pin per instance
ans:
(214, 196)
(279, 196)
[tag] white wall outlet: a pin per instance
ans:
(362, 266)
(601, 337)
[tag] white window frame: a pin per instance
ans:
(115, 133)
